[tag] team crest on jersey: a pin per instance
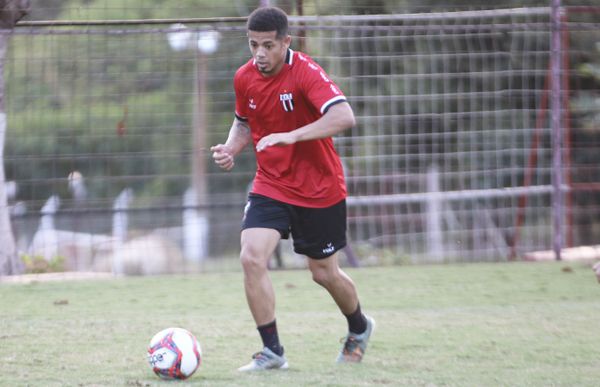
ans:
(287, 101)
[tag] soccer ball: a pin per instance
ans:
(174, 353)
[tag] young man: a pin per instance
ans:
(289, 108)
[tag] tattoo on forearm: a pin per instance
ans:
(243, 128)
(239, 134)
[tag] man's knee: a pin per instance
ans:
(252, 259)
(323, 275)
(257, 247)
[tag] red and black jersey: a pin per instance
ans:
(307, 173)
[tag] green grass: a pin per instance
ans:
(516, 324)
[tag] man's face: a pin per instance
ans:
(268, 51)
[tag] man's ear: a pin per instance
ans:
(287, 41)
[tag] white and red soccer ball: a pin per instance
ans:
(174, 353)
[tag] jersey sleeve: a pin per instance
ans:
(240, 100)
(319, 89)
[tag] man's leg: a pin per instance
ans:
(258, 245)
(327, 273)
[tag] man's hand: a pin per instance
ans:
(597, 270)
(275, 139)
(223, 156)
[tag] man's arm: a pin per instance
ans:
(239, 137)
(338, 118)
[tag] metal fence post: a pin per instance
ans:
(555, 60)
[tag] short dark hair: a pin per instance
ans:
(268, 19)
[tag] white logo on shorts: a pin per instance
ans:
(329, 249)
(246, 208)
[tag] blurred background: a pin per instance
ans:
(111, 110)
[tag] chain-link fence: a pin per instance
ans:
(451, 158)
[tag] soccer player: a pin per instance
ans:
(289, 108)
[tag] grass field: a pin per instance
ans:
(516, 324)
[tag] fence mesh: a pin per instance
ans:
(450, 160)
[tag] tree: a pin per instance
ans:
(11, 11)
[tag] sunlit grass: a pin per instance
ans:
(460, 325)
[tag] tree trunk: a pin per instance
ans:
(11, 11)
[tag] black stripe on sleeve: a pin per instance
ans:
(333, 103)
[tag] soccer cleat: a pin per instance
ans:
(265, 360)
(355, 345)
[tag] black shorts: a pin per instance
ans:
(317, 232)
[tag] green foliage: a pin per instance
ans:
(135, 9)
(37, 264)
(118, 108)
(586, 106)
(77, 106)
(66, 96)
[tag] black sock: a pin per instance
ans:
(270, 338)
(357, 323)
